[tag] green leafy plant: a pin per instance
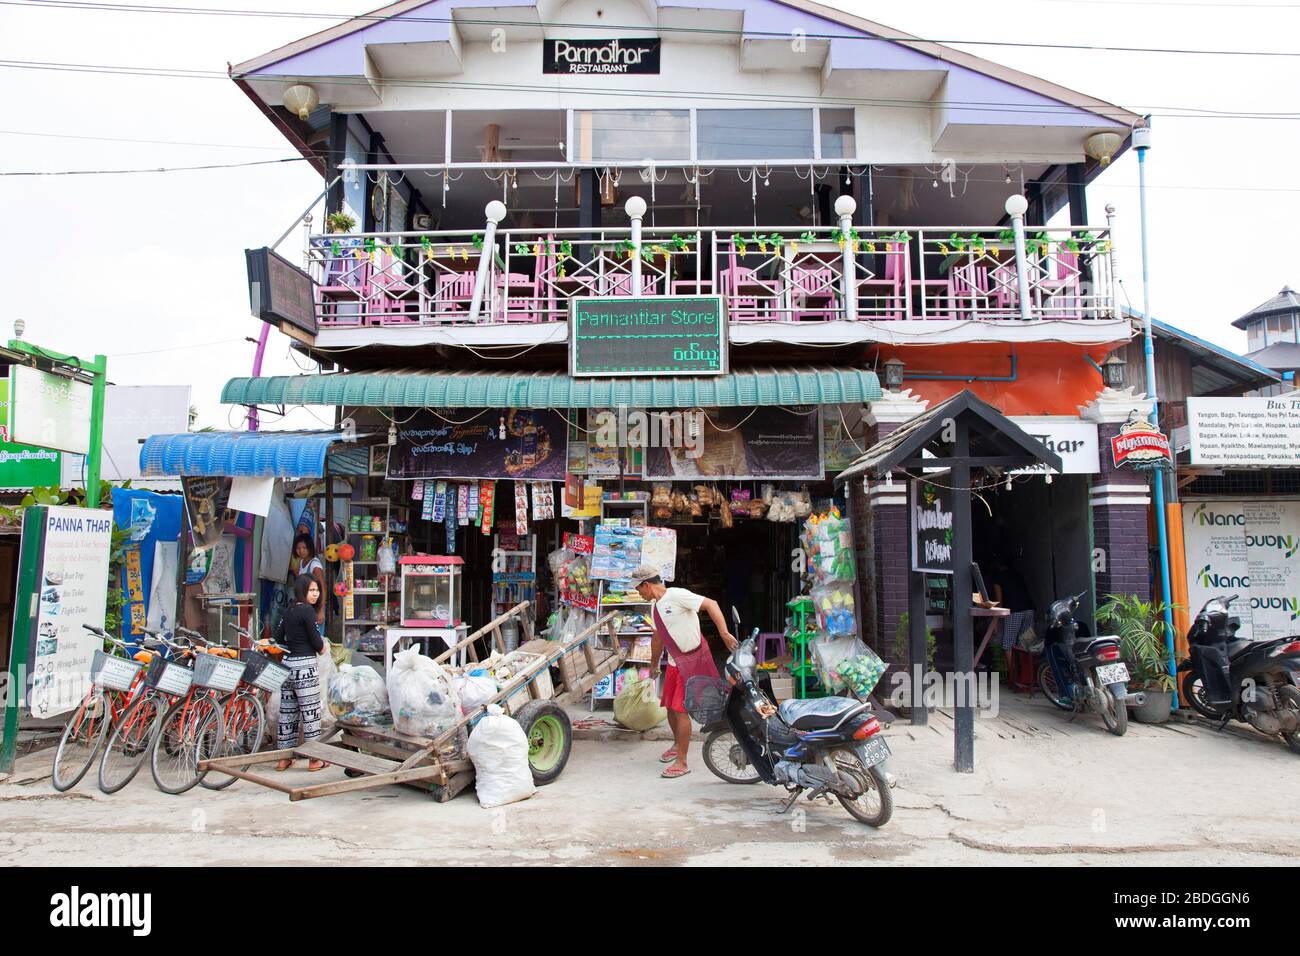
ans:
(1140, 626)
(903, 640)
(340, 222)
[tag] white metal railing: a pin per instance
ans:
(770, 274)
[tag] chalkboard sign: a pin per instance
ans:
(931, 522)
(648, 335)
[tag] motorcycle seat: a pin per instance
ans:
(822, 713)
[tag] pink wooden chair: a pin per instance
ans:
(451, 301)
(341, 297)
(813, 294)
(1062, 289)
(968, 290)
(392, 300)
(620, 283)
(886, 297)
(748, 298)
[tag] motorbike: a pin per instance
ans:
(1081, 673)
(830, 746)
(1255, 682)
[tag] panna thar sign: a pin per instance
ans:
(620, 55)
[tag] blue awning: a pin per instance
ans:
(238, 454)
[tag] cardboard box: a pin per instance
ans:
(782, 688)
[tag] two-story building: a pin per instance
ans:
(746, 210)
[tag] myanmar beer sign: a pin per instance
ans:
(648, 335)
(621, 55)
(1141, 445)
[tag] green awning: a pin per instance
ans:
(416, 388)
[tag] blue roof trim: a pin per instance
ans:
(238, 454)
(1164, 327)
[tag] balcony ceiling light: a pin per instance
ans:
(1102, 146)
(301, 99)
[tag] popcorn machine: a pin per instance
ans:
(431, 588)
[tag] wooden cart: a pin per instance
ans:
(376, 756)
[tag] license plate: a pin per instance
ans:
(873, 750)
(1112, 674)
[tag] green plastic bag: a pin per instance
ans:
(637, 706)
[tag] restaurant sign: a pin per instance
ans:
(931, 524)
(621, 55)
(648, 335)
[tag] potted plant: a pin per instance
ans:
(1140, 626)
(340, 222)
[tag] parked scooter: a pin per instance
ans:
(831, 746)
(1080, 672)
(1255, 682)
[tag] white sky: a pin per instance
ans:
(149, 268)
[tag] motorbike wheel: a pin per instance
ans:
(1289, 698)
(1200, 702)
(1047, 684)
(724, 756)
(1114, 711)
(876, 804)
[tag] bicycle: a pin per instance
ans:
(193, 727)
(243, 712)
(164, 681)
(114, 682)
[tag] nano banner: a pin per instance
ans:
(619, 56)
(931, 523)
(649, 335)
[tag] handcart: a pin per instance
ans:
(376, 756)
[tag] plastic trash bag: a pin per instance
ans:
(424, 702)
(358, 697)
(498, 749)
(476, 689)
(637, 706)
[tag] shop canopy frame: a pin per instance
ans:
(962, 434)
(298, 454)
(422, 388)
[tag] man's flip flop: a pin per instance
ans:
(668, 756)
(672, 773)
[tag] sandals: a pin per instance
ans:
(668, 756)
(284, 765)
(315, 765)
(672, 773)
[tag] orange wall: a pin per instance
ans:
(1052, 378)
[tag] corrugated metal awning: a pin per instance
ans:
(238, 454)
(418, 388)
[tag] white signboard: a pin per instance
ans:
(48, 410)
(73, 585)
(1251, 548)
(1074, 440)
(1245, 431)
(133, 412)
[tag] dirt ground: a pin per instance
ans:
(1045, 791)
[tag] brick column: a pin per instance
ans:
(1120, 499)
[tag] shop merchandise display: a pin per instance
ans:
(498, 749)
(571, 572)
(358, 697)
(422, 695)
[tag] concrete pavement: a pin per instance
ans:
(1045, 791)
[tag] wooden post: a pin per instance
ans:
(962, 624)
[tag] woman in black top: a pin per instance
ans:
(300, 694)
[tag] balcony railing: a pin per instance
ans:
(771, 274)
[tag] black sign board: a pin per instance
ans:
(931, 523)
(278, 291)
(621, 55)
(649, 335)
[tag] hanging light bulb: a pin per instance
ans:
(1047, 479)
(392, 434)
(866, 486)
(1008, 484)
(934, 183)
(501, 429)
(1008, 178)
(889, 479)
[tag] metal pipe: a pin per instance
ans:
(1157, 479)
(937, 377)
(495, 211)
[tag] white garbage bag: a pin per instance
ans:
(476, 689)
(498, 749)
(358, 697)
(421, 694)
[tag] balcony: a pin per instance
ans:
(786, 277)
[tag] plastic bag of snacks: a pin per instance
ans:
(829, 653)
(835, 612)
(423, 699)
(861, 672)
(358, 697)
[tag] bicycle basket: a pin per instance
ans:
(219, 673)
(113, 672)
(705, 699)
(169, 677)
(261, 671)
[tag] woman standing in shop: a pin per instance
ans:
(305, 561)
(300, 704)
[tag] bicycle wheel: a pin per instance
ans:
(174, 756)
(82, 736)
(245, 725)
(128, 743)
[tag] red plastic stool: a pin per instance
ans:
(1021, 672)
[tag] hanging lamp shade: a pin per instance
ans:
(301, 99)
(1102, 146)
